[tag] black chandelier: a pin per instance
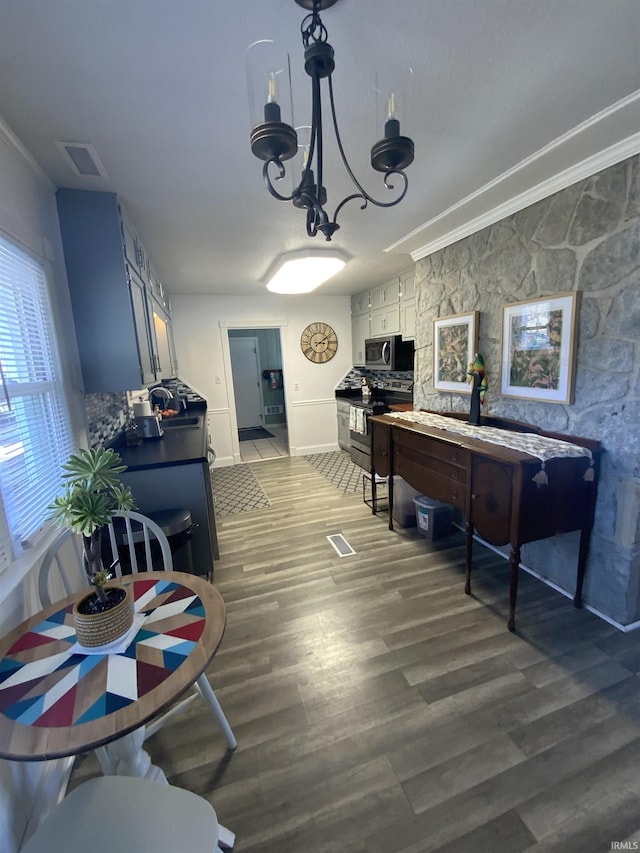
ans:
(274, 141)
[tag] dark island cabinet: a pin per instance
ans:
(108, 272)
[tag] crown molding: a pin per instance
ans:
(620, 122)
(14, 143)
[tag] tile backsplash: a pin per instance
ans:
(107, 414)
(354, 377)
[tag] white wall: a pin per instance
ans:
(200, 328)
(28, 217)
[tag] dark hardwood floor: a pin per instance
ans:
(380, 710)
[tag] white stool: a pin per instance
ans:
(124, 813)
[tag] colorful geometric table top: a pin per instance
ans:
(47, 685)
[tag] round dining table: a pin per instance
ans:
(58, 699)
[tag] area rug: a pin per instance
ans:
(253, 434)
(235, 489)
(338, 468)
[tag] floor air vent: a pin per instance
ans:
(341, 545)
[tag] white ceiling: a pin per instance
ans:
(508, 94)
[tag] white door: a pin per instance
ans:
(245, 369)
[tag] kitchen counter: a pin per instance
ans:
(177, 446)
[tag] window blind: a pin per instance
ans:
(35, 432)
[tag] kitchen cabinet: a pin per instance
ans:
(385, 321)
(408, 319)
(140, 307)
(108, 273)
(408, 285)
(173, 472)
(188, 486)
(163, 343)
(387, 294)
(360, 303)
(360, 331)
(344, 407)
(386, 310)
(360, 328)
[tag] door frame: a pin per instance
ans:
(225, 326)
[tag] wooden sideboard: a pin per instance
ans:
(492, 485)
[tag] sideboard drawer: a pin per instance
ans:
(431, 483)
(431, 447)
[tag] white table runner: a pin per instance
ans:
(540, 446)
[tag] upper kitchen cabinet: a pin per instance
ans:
(108, 273)
(360, 303)
(360, 329)
(386, 295)
(408, 305)
(163, 339)
(385, 309)
(408, 285)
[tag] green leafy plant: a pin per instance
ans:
(92, 495)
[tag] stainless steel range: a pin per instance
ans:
(392, 391)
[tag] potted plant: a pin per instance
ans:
(92, 494)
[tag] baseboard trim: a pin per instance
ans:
(311, 450)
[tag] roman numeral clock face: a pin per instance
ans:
(319, 342)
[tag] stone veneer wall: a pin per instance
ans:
(585, 238)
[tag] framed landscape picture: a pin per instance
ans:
(538, 349)
(455, 341)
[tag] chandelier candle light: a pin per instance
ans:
(275, 141)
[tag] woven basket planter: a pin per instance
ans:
(97, 629)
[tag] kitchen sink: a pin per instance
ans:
(178, 422)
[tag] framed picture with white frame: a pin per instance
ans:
(539, 339)
(455, 341)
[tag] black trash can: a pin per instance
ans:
(177, 526)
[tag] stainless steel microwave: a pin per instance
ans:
(391, 353)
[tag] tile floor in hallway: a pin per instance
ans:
(266, 448)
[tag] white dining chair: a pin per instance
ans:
(110, 814)
(63, 560)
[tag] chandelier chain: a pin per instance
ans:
(312, 28)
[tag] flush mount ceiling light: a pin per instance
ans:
(303, 271)
(275, 141)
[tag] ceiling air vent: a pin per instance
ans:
(82, 159)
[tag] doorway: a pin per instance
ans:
(258, 386)
(245, 369)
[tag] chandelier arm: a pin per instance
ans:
(363, 193)
(267, 179)
(317, 134)
(349, 198)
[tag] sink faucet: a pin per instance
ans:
(162, 392)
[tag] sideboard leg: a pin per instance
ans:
(468, 555)
(390, 494)
(585, 537)
(514, 562)
(374, 493)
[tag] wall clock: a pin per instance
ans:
(319, 342)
